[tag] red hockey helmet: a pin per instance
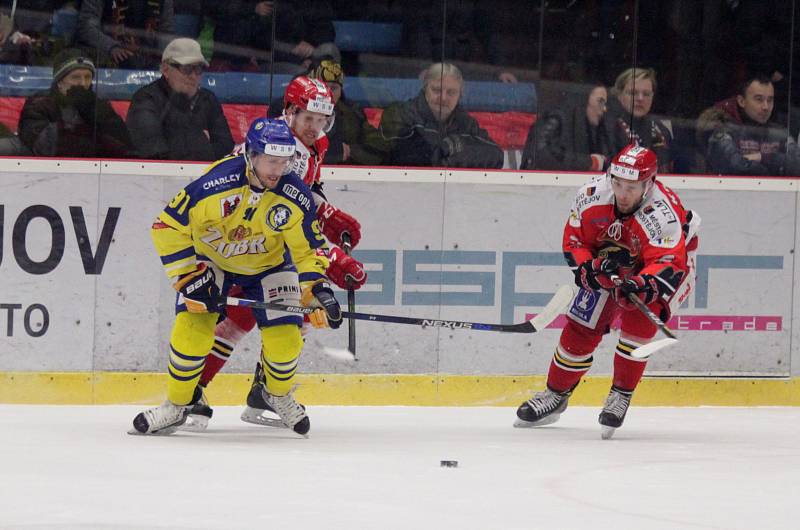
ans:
(634, 163)
(309, 94)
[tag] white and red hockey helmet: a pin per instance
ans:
(309, 94)
(634, 163)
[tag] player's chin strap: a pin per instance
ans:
(557, 304)
(250, 171)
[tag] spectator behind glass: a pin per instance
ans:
(22, 27)
(353, 140)
(243, 34)
(126, 33)
(173, 118)
(574, 140)
(433, 129)
(629, 119)
(69, 120)
(743, 140)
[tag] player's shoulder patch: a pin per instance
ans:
(222, 177)
(278, 216)
(294, 189)
(596, 191)
(660, 222)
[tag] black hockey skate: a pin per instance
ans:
(543, 408)
(164, 419)
(199, 414)
(614, 411)
(260, 403)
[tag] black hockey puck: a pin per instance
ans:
(448, 463)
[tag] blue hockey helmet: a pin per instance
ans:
(270, 137)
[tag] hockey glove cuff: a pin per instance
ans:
(319, 294)
(594, 274)
(345, 271)
(645, 287)
(199, 290)
(334, 222)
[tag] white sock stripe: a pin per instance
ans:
(572, 368)
(630, 343)
(224, 342)
(221, 356)
(624, 355)
(572, 358)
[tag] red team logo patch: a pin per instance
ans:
(229, 204)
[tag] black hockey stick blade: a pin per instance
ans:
(553, 308)
(351, 300)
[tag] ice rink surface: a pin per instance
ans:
(65, 467)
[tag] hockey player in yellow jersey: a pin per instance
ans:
(248, 221)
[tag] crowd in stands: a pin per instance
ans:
(746, 130)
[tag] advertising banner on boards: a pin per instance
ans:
(83, 289)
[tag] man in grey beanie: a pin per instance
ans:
(69, 120)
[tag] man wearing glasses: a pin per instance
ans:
(173, 118)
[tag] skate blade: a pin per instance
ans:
(256, 417)
(549, 420)
(607, 432)
(195, 423)
(166, 431)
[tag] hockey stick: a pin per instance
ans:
(351, 300)
(652, 317)
(553, 308)
(650, 348)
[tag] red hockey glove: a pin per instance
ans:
(645, 287)
(199, 290)
(335, 222)
(343, 267)
(594, 274)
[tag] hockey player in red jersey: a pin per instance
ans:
(629, 227)
(308, 110)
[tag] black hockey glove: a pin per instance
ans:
(595, 274)
(199, 290)
(321, 295)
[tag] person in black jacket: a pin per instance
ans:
(575, 140)
(173, 118)
(433, 129)
(745, 141)
(69, 120)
